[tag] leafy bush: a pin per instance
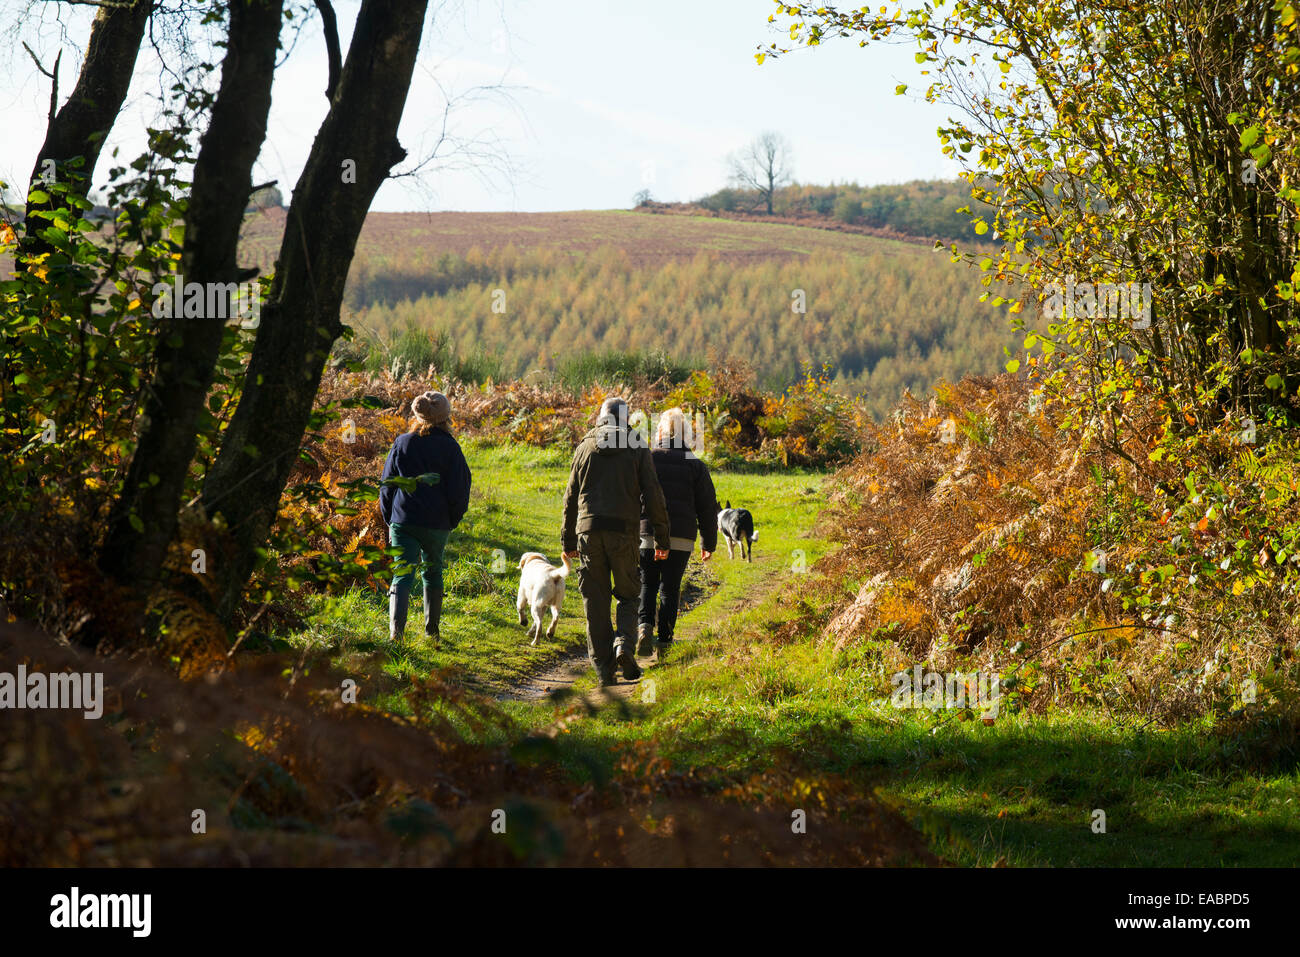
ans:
(725, 200)
(414, 351)
(848, 209)
(981, 531)
(811, 424)
(613, 368)
(808, 425)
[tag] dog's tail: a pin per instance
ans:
(753, 536)
(561, 573)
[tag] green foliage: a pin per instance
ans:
(724, 200)
(78, 335)
(926, 209)
(1183, 185)
(811, 424)
(581, 372)
(848, 209)
(412, 351)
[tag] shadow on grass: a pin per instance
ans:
(1026, 794)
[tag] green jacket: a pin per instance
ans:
(612, 474)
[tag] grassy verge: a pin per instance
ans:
(751, 695)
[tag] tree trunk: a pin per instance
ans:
(143, 519)
(351, 156)
(80, 127)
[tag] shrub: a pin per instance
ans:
(811, 424)
(418, 352)
(984, 551)
(848, 209)
(615, 368)
(724, 200)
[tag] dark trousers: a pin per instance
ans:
(608, 559)
(422, 548)
(662, 581)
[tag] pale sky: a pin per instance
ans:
(605, 98)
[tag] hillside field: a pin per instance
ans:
(530, 290)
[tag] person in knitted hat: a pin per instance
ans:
(421, 512)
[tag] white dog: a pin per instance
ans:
(541, 586)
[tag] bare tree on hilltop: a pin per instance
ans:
(764, 166)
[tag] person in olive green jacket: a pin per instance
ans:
(612, 476)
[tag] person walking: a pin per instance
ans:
(611, 482)
(420, 517)
(692, 507)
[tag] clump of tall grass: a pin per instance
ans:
(633, 369)
(413, 351)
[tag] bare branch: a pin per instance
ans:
(52, 74)
(331, 24)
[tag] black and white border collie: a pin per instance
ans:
(737, 527)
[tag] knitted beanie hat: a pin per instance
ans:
(431, 407)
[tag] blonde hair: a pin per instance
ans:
(423, 426)
(672, 422)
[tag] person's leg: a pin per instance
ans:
(433, 542)
(674, 569)
(399, 592)
(593, 582)
(624, 563)
(649, 594)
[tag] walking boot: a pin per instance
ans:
(625, 655)
(661, 651)
(432, 612)
(645, 640)
(398, 604)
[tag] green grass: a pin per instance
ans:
(412, 350)
(1021, 791)
(753, 689)
(581, 372)
(515, 507)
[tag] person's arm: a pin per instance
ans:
(458, 493)
(706, 502)
(386, 492)
(652, 499)
(569, 521)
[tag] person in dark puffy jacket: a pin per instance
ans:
(692, 506)
(420, 516)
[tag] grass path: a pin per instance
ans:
(515, 508)
(705, 598)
